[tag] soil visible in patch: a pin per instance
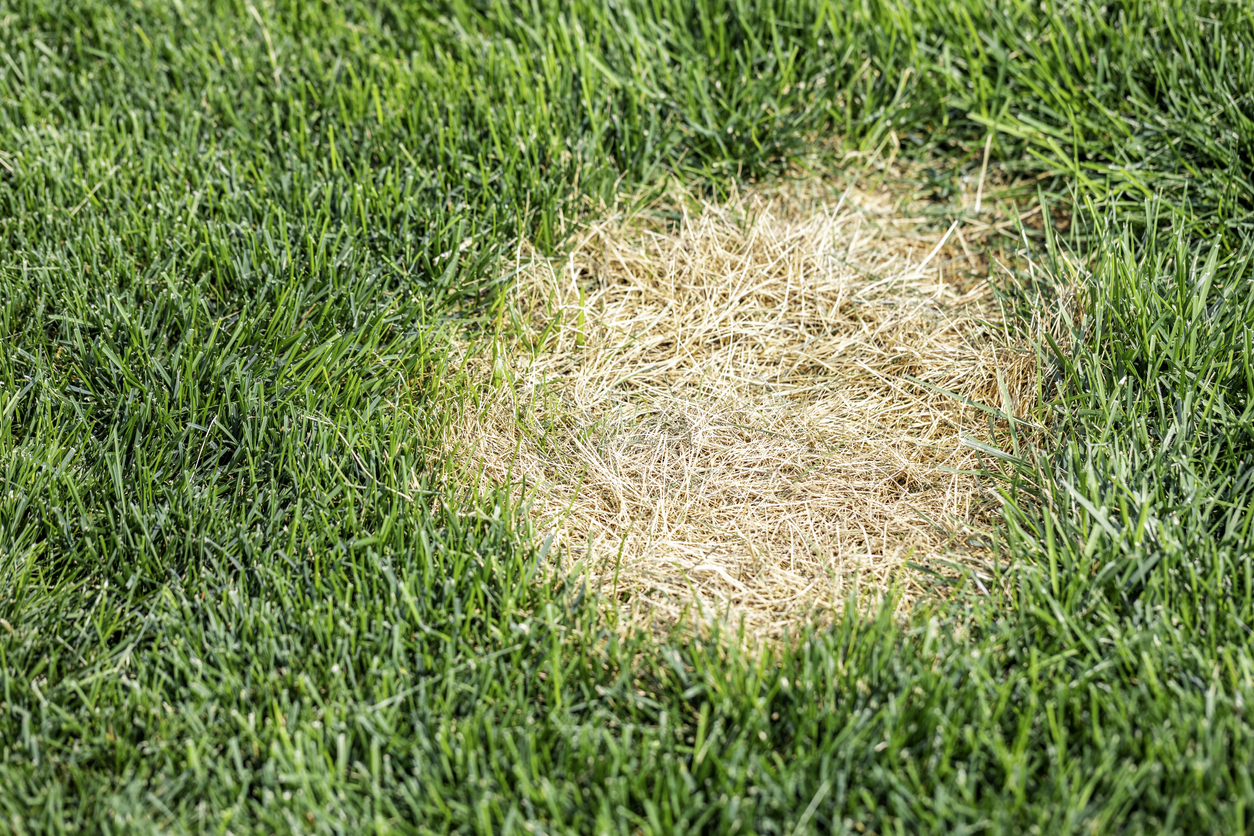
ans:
(735, 410)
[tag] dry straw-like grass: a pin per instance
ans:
(724, 411)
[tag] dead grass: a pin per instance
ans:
(722, 412)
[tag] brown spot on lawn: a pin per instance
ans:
(738, 411)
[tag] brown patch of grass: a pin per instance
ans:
(728, 409)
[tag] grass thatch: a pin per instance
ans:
(730, 408)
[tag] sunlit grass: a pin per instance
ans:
(240, 593)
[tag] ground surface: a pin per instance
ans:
(254, 261)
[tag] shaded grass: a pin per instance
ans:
(230, 245)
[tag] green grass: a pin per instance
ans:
(239, 593)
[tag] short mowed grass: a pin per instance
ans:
(239, 592)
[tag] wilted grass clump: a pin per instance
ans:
(758, 410)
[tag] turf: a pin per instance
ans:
(755, 412)
(240, 594)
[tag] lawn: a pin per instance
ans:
(254, 261)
